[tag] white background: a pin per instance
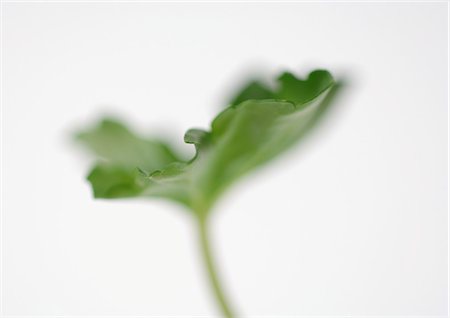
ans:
(351, 222)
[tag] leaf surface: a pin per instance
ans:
(258, 125)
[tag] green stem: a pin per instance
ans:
(211, 268)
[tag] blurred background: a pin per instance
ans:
(353, 221)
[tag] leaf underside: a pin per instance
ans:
(258, 125)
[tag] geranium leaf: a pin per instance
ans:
(258, 125)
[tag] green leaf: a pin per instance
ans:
(290, 88)
(123, 159)
(113, 142)
(115, 181)
(258, 125)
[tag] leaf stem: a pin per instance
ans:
(211, 268)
